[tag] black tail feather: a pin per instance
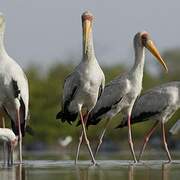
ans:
(78, 123)
(89, 122)
(15, 128)
(59, 115)
(69, 117)
(95, 118)
(141, 118)
(93, 122)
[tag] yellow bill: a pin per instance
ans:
(152, 48)
(86, 32)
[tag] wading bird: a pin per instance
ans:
(11, 140)
(83, 86)
(14, 91)
(2, 125)
(120, 94)
(158, 104)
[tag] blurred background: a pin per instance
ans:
(44, 37)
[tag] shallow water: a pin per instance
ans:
(106, 170)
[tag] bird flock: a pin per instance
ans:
(87, 98)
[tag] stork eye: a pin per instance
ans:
(144, 39)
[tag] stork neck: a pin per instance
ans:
(88, 53)
(2, 49)
(139, 60)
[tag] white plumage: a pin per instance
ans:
(158, 104)
(120, 94)
(7, 135)
(84, 85)
(11, 140)
(10, 74)
(14, 91)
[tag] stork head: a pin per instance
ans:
(2, 23)
(87, 19)
(143, 39)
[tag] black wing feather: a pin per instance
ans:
(93, 118)
(17, 94)
(147, 106)
(65, 115)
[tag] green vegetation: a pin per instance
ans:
(46, 91)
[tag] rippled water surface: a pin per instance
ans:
(106, 170)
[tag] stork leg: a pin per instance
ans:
(80, 139)
(4, 143)
(165, 142)
(86, 139)
(12, 151)
(130, 139)
(146, 139)
(9, 161)
(20, 135)
(78, 148)
(20, 173)
(101, 137)
(8, 154)
(2, 121)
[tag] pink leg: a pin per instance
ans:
(80, 139)
(165, 142)
(130, 139)
(86, 139)
(78, 148)
(2, 122)
(146, 139)
(10, 153)
(101, 137)
(20, 135)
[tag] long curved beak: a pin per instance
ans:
(86, 32)
(152, 48)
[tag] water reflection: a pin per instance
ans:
(131, 172)
(16, 172)
(55, 170)
(165, 171)
(98, 173)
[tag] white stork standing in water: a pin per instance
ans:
(158, 104)
(11, 140)
(14, 91)
(84, 85)
(120, 94)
